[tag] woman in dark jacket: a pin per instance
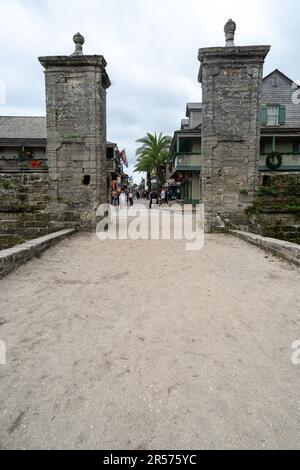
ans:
(153, 198)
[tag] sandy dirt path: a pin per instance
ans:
(142, 345)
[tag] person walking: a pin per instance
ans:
(123, 200)
(168, 197)
(153, 198)
(162, 197)
(115, 199)
(130, 198)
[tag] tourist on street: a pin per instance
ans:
(123, 200)
(163, 197)
(115, 199)
(130, 198)
(168, 197)
(153, 198)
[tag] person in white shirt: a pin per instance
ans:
(123, 200)
(163, 196)
(130, 198)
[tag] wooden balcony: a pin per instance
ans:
(186, 162)
(290, 162)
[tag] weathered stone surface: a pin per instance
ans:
(25, 210)
(276, 209)
(76, 129)
(12, 258)
(231, 80)
(286, 250)
(33, 205)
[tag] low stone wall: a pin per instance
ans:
(23, 208)
(12, 258)
(283, 249)
(276, 210)
(26, 210)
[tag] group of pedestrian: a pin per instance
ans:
(123, 199)
(162, 198)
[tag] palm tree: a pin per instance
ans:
(142, 167)
(152, 155)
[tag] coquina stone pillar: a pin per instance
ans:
(231, 79)
(76, 130)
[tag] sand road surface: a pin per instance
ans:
(143, 345)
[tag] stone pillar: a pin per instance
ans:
(76, 131)
(231, 80)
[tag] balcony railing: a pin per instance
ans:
(290, 162)
(185, 162)
(30, 165)
(190, 160)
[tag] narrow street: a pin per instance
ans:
(143, 345)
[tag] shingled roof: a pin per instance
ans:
(278, 72)
(193, 107)
(22, 128)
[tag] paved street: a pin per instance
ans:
(143, 345)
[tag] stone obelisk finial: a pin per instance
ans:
(230, 29)
(79, 41)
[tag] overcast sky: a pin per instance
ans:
(151, 48)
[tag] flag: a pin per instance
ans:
(124, 157)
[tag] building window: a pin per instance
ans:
(262, 147)
(275, 80)
(272, 115)
(110, 153)
(185, 146)
(296, 147)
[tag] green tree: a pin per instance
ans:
(152, 156)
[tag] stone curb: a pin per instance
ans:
(284, 249)
(13, 258)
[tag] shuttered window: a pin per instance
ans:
(273, 115)
(264, 115)
(282, 114)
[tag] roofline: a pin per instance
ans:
(265, 131)
(268, 131)
(196, 132)
(282, 74)
(23, 117)
(13, 141)
(111, 144)
(189, 106)
(26, 141)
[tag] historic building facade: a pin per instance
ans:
(279, 139)
(184, 170)
(280, 118)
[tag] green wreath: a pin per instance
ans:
(274, 160)
(25, 155)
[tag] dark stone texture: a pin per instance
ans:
(76, 128)
(231, 80)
